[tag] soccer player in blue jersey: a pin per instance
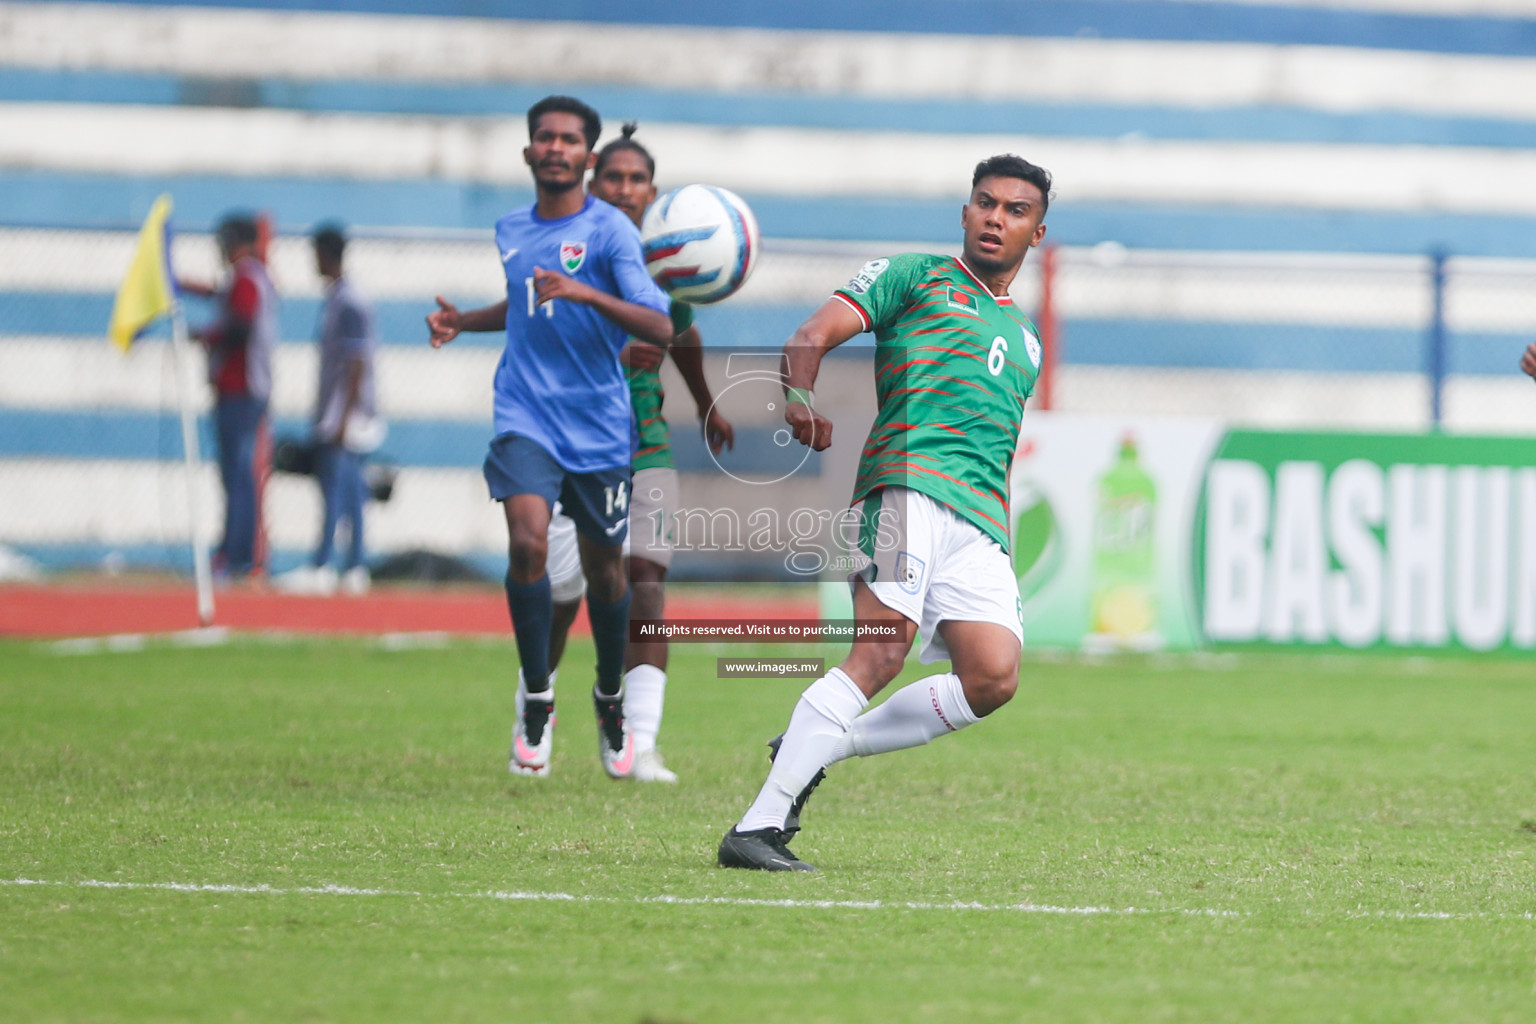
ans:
(577, 289)
(624, 175)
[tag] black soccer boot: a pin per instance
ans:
(763, 849)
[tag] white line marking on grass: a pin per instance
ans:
(120, 643)
(318, 890)
(740, 901)
(129, 643)
(214, 636)
(566, 897)
(429, 640)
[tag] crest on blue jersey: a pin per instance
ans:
(572, 256)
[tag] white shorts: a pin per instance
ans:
(653, 515)
(935, 567)
(567, 583)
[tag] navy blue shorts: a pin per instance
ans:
(597, 502)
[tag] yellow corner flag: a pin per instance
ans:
(147, 292)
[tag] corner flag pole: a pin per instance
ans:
(202, 572)
(148, 292)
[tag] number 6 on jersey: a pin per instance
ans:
(998, 357)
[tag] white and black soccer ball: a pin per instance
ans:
(700, 243)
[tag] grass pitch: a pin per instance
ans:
(325, 831)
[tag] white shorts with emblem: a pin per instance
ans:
(933, 566)
(653, 515)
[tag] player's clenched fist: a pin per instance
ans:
(808, 426)
(1528, 361)
(444, 322)
(549, 285)
(718, 432)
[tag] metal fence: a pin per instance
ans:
(1398, 343)
(90, 451)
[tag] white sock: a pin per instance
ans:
(645, 690)
(522, 690)
(916, 714)
(824, 712)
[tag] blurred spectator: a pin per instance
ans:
(347, 426)
(240, 345)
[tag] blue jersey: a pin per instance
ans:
(559, 381)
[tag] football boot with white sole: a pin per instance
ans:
(533, 737)
(614, 743)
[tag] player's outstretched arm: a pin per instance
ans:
(831, 325)
(637, 321)
(447, 321)
(1528, 361)
(688, 354)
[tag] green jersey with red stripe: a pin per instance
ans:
(953, 367)
(654, 450)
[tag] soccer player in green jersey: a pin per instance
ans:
(954, 363)
(624, 175)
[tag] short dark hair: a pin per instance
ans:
(1007, 165)
(330, 240)
(591, 124)
(620, 144)
(235, 230)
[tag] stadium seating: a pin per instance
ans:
(1248, 198)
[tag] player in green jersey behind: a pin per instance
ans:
(624, 175)
(954, 364)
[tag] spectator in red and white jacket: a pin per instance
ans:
(240, 344)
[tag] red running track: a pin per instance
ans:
(44, 610)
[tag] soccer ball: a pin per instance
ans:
(700, 243)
